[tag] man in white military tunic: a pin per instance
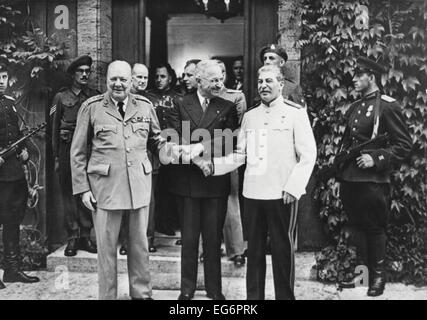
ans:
(277, 143)
(112, 173)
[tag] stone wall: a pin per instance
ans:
(94, 36)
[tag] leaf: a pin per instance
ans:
(410, 83)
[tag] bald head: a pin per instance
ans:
(119, 75)
(139, 78)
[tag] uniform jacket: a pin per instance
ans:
(188, 180)
(115, 167)
(238, 98)
(360, 124)
(11, 170)
(65, 106)
(278, 146)
(163, 103)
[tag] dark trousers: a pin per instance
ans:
(205, 216)
(167, 216)
(13, 201)
(279, 221)
(78, 219)
(367, 208)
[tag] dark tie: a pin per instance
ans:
(205, 105)
(121, 111)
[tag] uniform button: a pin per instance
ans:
(127, 150)
(129, 164)
(127, 137)
(356, 120)
(354, 129)
(265, 123)
(261, 158)
(359, 112)
(363, 104)
(261, 146)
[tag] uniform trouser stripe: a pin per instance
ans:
(292, 239)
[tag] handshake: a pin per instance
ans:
(192, 153)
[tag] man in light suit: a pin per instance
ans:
(277, 143)
(112, 173)
(202, 200)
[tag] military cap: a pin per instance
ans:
(83, 60)
(365, 64)
(280, 51)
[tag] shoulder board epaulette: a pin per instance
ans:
(233, 91)
(293, 104)
(63, 89)
(387, 98)
(9, 97)
(95, 98)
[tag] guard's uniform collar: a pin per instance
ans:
(371, 95)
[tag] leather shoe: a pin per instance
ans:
(18, 276)
(123, 249)
(71, 248)
(186, 296)
(218, 296)
(2, 286)
(152, 248)
(87, 245)
(178, 242)
(239, 260)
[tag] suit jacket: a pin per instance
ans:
(238, 98)
(188, 180)
(109, 153)
(360, 125)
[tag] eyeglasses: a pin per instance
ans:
(87, 71)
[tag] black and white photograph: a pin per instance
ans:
(215, 150)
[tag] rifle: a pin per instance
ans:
(341, 158)
(9, 150)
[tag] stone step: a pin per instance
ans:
(165, 265)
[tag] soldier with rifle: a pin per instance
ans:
(13, 185)
(365, 179)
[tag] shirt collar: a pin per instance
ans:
(124, 102)
(76, 91)
(201, 98)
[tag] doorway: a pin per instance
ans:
(154, 31)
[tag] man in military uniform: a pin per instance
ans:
(112, 174)
(277, 143)
(163, 97)
(365, 181)
(66, 105)
(13, 186)
(276, 55)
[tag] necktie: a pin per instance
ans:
(121, 111)
(205, 104)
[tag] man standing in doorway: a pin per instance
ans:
(237, 68)
(64, 110)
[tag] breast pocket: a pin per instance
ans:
(106, 135)
(141, 129)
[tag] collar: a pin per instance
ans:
(371, 95)
(276, 102)
(75, 90)
(201, 98)
(125, 102)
